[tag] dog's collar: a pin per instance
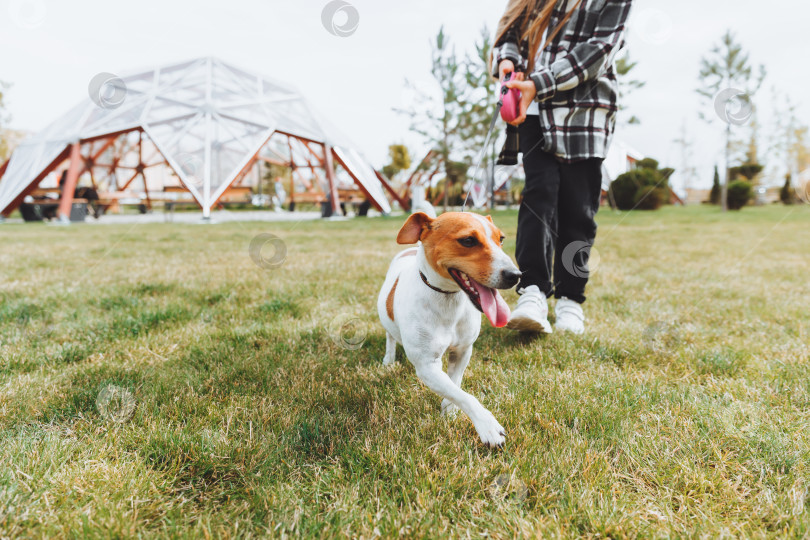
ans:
(421, 275)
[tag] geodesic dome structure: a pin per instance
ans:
(208, 121)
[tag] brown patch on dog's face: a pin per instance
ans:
(462, 241)
(389, 301)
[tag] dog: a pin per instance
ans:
(432, 299)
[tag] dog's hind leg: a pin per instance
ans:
(488, 428)
(457, 361)
(390, 349)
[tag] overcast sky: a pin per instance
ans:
(50, 50)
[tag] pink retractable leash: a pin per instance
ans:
(508, 107)
(510, 98)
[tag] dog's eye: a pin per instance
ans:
(502, 239)
(468, 241)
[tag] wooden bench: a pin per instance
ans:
(111, 201)
(235, 195)
(176, 189)
(44, 192)
(345, 196)
(351, 196)
(48, 209)
(232, 195)
(307, 198)
(105, 202)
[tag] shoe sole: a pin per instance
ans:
(568, 330)
(529, 326)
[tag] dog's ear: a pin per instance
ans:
(490, 219)
(411, 232)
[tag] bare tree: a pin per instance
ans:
(627, 83)
(478, 114)
(729, 82)
(686, 144)
(790, 137)
(5, 149)
(442, 123)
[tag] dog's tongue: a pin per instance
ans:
(492, 304)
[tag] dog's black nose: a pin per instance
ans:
(509, 278)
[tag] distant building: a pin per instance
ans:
(802, 185)
(767, 195)
(621, 157)
(762, 195)
(697, 196)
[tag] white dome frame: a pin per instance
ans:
(207, 120)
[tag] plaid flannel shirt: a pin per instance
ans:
(576, 85)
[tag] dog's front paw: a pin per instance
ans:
(449, 409)
(491, 432)
(388, 364)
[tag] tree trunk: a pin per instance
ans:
(492, 177)
(724, 191)
(446, 157)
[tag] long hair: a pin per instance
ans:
(533, 18)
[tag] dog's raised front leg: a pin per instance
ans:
(457, 361)
(390, 349)
(430, 372)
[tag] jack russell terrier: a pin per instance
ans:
(432, 297)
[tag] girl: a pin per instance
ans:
(561, 53)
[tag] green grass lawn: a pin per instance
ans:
(262, 408)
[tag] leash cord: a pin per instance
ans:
(492, 123)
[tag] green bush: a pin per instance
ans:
(516, 189)
(649, 198)
(739, 193)
(627, 189)
(787, 194)
(623, 191)
(748, 170)
(647, 163)
(716, 192)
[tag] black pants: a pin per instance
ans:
(556, 218)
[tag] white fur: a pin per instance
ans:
(427, 324)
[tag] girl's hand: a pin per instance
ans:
(507, 66)
(527, 93)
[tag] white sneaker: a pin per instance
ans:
(569, 316)
(531, 312)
